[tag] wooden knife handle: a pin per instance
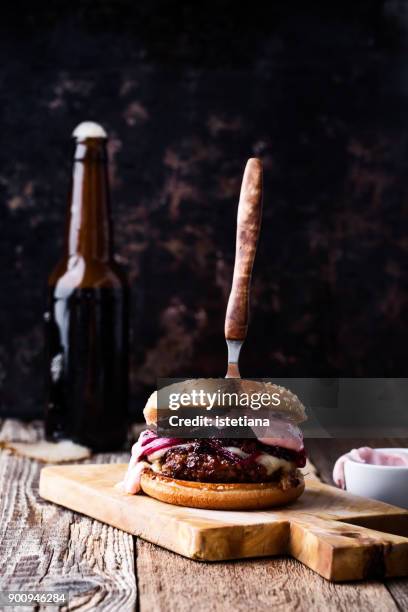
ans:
(248, 227)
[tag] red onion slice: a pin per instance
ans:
(147, 443)
(159, 444)
(148, 438)
(301, 458)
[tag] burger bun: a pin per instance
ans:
(214, 496)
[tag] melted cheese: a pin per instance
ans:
(272, 464)
(156, 466)
(237, 451)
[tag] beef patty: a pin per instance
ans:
(209, 461)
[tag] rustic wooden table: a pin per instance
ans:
(43, 546)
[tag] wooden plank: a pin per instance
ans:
(169, 582)
(399, 591)
(308, 529)
(46, 547)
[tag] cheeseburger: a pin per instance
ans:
(222, 473)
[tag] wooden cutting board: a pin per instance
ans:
(339, 535)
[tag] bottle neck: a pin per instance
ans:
(89, 228)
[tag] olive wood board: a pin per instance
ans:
(338, 535)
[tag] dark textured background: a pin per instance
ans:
(187, 93)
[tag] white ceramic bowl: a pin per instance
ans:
(387, 483)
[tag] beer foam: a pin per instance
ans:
(89, 129)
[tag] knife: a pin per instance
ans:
(248, 227)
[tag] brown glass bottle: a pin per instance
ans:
(87, 315)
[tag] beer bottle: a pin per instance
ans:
(87, 315)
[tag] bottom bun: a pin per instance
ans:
(218, 496)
